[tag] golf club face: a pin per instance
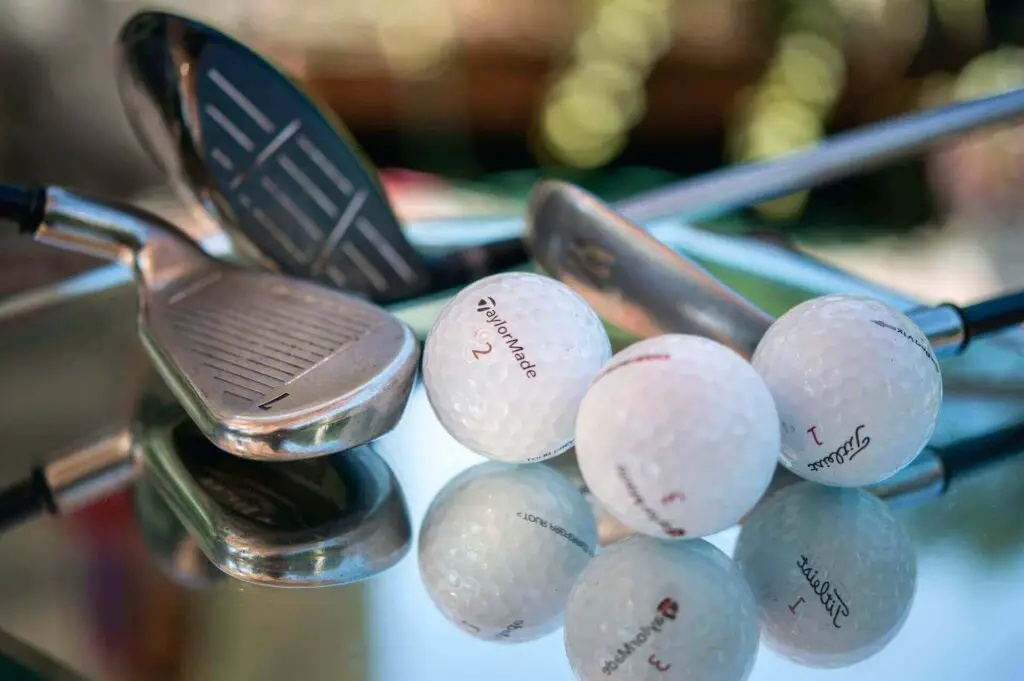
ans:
(631, 279)
(270, 367)
(320, 522)
(262, 158)
(273, 368)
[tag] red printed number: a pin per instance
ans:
(657, 664)
(478, 353)
(793, 607)
(674, 496)
(815, 436)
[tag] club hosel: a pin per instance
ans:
(943, 325)
(92, 472)
(84, 225)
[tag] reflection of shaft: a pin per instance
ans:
(926, 478)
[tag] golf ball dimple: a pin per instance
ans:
(651, 609)
(677, 437)
(857, 386)
(832, 570)
(500, 548)
(507, 363)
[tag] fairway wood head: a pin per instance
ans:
(318, 522)
(630, 278)
(267, 366)
(265, 160)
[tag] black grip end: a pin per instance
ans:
(23, 206)
(25, 499)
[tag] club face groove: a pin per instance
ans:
(239, 137)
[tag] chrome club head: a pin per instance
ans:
(267, 366)
(629, 277)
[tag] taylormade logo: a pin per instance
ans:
(488, 307)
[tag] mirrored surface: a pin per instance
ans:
(967, 548)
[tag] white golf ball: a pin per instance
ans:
(832, 571)
(857, 386)
(500, 548)
(677, 437)
(507, 363)
(653, 609)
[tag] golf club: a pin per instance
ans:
(315, 522)
(268, 366)
(273, 166)
(644, 287)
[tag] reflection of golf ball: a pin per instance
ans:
(832, 571)
(677, 437)
(507, 363)
(501, 546)
(857, 387)
(649, 609)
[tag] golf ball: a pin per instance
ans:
(653, 609)
(832, 571)
(857, 386)
(500, 548)
(677, 437)
(507, 363)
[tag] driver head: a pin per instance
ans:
(270, 164)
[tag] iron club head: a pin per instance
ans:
(629, 277)
(267, 366)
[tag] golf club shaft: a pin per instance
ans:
(840, 156)
(844, 154)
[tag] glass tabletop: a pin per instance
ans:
(89, 590)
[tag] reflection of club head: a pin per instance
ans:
(313, 522)
(167, 540)
(331, 520)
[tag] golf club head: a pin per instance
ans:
(269, 367)
(266, 161)
(172, 548)
(317, 522)
(629, 277)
